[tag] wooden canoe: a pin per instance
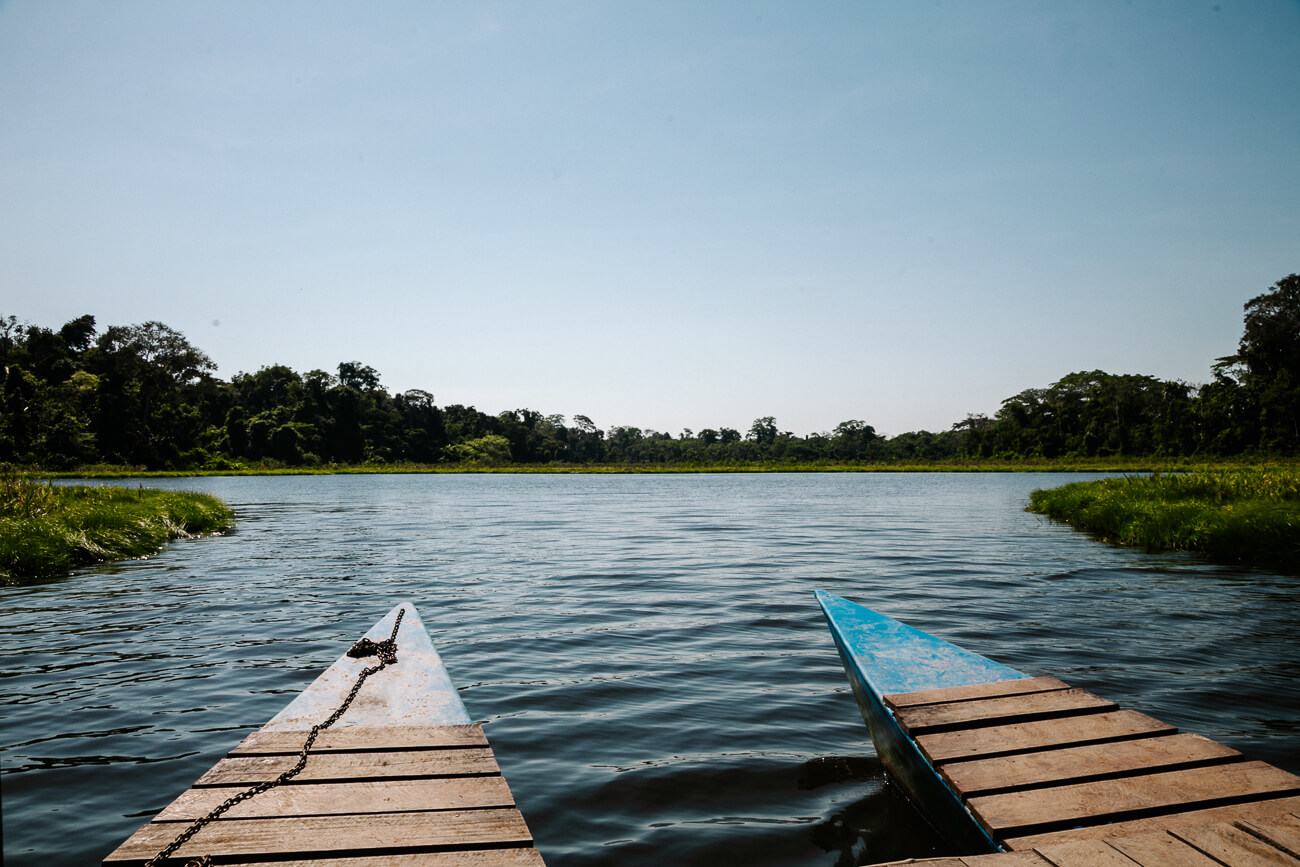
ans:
(1000, 761)
(882, 656)
(403, 776)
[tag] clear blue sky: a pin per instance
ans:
(660, 214)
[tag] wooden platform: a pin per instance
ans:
(1049, 770)
(368, 797)
(1266, 843)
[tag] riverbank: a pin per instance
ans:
(46, 530)
(1030, 465)
(1239, 515)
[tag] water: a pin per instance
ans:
(644, 651)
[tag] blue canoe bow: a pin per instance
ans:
(882, 657)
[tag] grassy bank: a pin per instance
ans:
(46, 530)
(985, 465)
(1245, 515)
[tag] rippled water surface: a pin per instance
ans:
(644, 651)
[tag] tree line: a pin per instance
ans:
(143, 395)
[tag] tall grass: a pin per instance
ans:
(953, 465)
(46, 529)
(1247, 515)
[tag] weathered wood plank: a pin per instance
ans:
(1061, 702)
(983, 776)
(1085, 853)
(1282, 831)
(361, 738)
(1234, 847)
(1255, 810)
(333, 835)
(1103, 799)
(246, 770)
(1028, 858)
(477, 858)
(322, 799)
(974, 691)
(1040, 734)
(1161, 849)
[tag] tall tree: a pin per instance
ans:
(1270, 352)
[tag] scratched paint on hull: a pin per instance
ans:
(894, 657)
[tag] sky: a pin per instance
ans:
(662, 214)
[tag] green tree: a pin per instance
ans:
(763, 430)
(360, 376)
(1270, 352)
(491, 450)
(852, 439)
(150, 379)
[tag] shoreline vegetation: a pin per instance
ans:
(144, 396)
(1027, 465)
(46, 530)
(1237, 515)
(141, 401)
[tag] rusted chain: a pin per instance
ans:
(386, 650)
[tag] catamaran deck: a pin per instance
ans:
(1064, 777)
(368, 797)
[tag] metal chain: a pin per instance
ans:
(386, 650)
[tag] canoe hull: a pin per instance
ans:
(401, 776)
(414, 691)
(882, 656)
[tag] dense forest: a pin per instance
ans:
(142, 395)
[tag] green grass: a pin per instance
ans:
(1242, 515)
(961, 465)
(46, 530)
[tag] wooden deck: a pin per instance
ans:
(1062, 776)
(368, 797)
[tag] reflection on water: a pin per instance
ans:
(644, 651)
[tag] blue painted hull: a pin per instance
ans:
(881, 657)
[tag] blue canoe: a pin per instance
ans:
(998, 760)
(885, 657)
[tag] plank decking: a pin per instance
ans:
(1064, 777)
(369, 796)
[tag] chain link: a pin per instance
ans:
(386, 650)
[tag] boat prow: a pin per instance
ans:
(997, 760)
(401, 776)
(417, 691)
(883, 656)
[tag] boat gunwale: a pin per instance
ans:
(897, 749)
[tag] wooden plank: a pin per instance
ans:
(322, 799)
(1038, 735)
(1161, 849)
(477, 858)
(1085, 853)
(338, 767)
(1101, 800)
(360, 738)
(1235, 847)
(333, 835)
(965, 714)
(1028, 858)
(975, 690)
(1283, 832)
(1255, 810)
(984, 776)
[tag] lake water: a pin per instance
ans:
(644, 651)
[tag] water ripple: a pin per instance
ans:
(644, 651)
